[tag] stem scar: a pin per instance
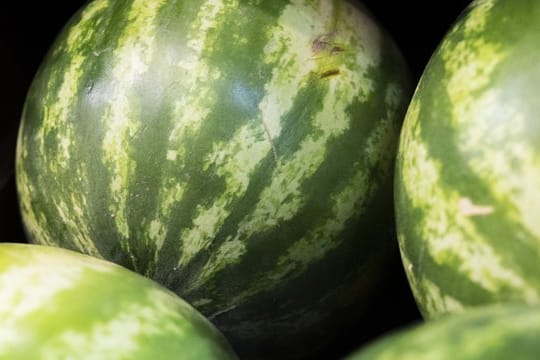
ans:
(328, 73)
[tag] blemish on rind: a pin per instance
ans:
(468, 208)
(329, 73)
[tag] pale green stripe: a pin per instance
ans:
(437, 301)
(121, 335)
(27, 287)
(198, 97)
(75, 218)
(349, 202)
(492, 130)
(322, 239)
(332, 121)
(282, 199)
(35, 223)
(289, 52)
(132, 55)
(236, 160)
(472, 64)
(57, 117)
(57, 113)
(198, 93)
(449, 233)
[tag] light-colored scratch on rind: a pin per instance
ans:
(235, 160)
(282, 199)
(447, 234)
(468, 208)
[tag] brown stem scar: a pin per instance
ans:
(328, 73)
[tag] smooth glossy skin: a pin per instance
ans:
(59, 304)
(237, 152)
(468, 175)
(497, 333)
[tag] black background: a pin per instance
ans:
(26, 32)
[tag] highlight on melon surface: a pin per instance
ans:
(238, 152)
(468, 176)
(59, 304)
(496, 332)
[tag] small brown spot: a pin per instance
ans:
(336, 49)
(325, 43)
(328, 73)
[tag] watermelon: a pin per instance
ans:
(467, 185)
(59, 304)
(239, 153)
(496, 332)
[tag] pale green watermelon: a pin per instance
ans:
(58, 304)
(492, 333)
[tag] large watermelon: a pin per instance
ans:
(494, 332)
(235, 151)
(468, 169)
(58, 304)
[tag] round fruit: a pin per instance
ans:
(468, 170)
(495, 333)
(236, 152)
(59, 304)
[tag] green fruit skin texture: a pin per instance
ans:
(496, 332)
(60, 304)
(240, 153)
(468, 173)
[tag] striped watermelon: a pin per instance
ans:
(495, 332)
(58, 304)
(468, 169)
(236, 152)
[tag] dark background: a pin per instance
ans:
(27, 32)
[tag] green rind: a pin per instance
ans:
(59, 304)
(468, 174)
(494, 332)
(232, 151)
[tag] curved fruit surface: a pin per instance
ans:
(59, 304)
(494, 332)
(236, 152)
(468, 169)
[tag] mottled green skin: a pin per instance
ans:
(59, 304)
(468, 170)
(240, 153)
(496, 333)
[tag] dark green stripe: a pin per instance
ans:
(240, 69)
